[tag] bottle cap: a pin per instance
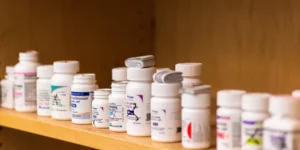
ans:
(102, 93)
(45, 71)
(166, 89)
(162, 69)
(255, 101)
(140, 61)
(119, 74)
(88, 78)
(9, 70)
(230, 98)
(66, 67)
(196, 97)
(140, 74)
(296, 93)
(28, 55)
(284, 105)
(118, 86)
(189, 69)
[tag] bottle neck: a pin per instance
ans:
(28, 61)
(118, 92)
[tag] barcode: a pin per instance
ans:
(148, 117)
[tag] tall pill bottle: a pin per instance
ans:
(229, 119)
(61, 82)
(119, 74)
(282, 130)
(25, 82)
(7, 88)
(43, 89)
(190, 72)
(100, 108)
(138, 95)
(166, 112)
(82, 91)
(255, 106)
(117, 107)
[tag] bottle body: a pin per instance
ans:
(138, 95)
(44, 96)
(117, 111)
(166, 119)
(100, 113)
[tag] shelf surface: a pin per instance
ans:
(85, 135)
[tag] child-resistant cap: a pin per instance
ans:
(284, 105)
(119, 74)
(189, 69)
(296, 93)
(140, 74)
(166, 89)
(9, 70)
(230, 98)
(102, 93)
(196, 97)
(66, 66)
(88, 78)
(45, 71)
(28, 55)
(255, 101)
(119, 86)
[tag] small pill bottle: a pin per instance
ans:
(82, 91)
(119, 74)
(138, 95)
(282, 130)
(166, 112)
(191, 73)
(61, 82)
(100, 108)
(196, 118)
(255, 106)
(117, 107)
(43, 90)
(25, 82)
(229, 119)
(7, 89)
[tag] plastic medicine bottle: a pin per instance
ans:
(282, 130)
(7, 88)
(138, 95)
(229, 119)
(100, 108)
(82, 91)
(255, 106)
(43, 90)
(117, 107)
(61, 82)
(25, 82)
(166, 112)
(190, 72)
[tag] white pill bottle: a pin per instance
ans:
(100, 108)
(282, 130)
(43, 90)
(255, 106)
(61, 82)
(82, 91)
(7, 88)
(166, 112)
(25, 82)
(229, 119)
(191, 73)
(138, 95)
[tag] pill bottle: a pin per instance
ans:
(7, 88)
(229, 119)
(61, 82)
(82, 90)
(282, 130)
(196, 117)
(119, 74)
(190, 72)
(43, 90)
(138, 95)
(166, 112)
(100, 108)
(117, 107)
(25, 82)
(255, 106)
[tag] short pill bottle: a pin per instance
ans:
(7, 89)
(100, 108)
(191, 73)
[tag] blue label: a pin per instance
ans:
(80, 93)
(74, 105)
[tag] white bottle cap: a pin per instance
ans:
(296, 93)
(140, 74)
(102, 93)
(230, 98)
(284, 105)
(119, 74)
(28, 55)
(66, 67)
(118, 86)
(166, 89)
(189, 69)
(162, 69)
(88, 78)
(196, 97)
(9, 70)
(255, 101)
(45, 71)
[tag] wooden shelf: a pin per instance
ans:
(84, 135)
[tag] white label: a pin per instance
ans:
(228, 132)
(138, 110)
(117, 115)
(252, 134)
(100, 116)
(43, 98)
(81, 105)
(61, 98)
(281, 140)
(25, 89)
